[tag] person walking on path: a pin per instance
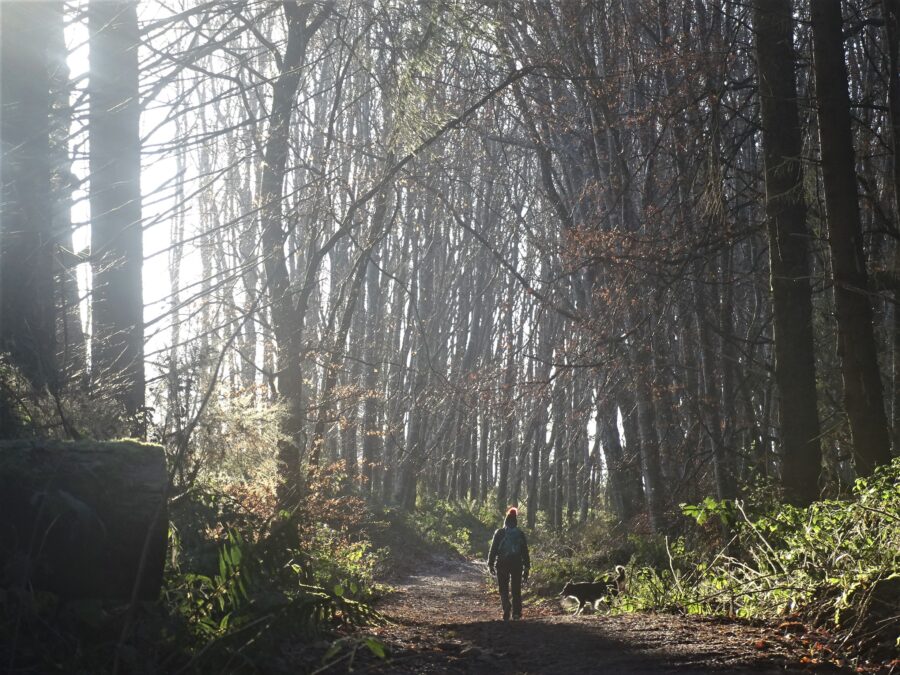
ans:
(509, 552)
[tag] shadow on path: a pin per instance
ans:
(445, 621)
(583, 646)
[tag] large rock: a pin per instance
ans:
(84, 518)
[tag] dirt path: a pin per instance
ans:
(445, 620)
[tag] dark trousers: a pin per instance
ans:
(510, 574)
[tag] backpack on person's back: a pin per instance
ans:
(512, 545)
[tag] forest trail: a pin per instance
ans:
(444, 619)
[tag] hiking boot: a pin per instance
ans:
(517, 617)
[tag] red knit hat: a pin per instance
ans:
(513, 511)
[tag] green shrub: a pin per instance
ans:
(835, 564)
(586, 552)
(463, 527)
(259, 591)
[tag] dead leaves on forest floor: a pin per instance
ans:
(444, 618)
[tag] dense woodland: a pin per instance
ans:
(594, 258)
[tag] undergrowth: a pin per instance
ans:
(833, 566)
(262, 592)
(247, 589)
(586, 552)
(463, 527)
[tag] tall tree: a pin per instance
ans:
(287, 318)
(71, 338)
(788, 233)
(863, 398)
(890, 11)
(117, 306)
(27, 311)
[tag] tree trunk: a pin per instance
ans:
(890, 11)
(558, 440)
(117, 305)
(506, 402)
(863, 399)
(419, 322)
(548, 332)
(711, 395)
(27, 303)
(334, 365)
(480, 486)
(789, 270)
(71, 340)
(646, 420)
(399, 345)
(625, 487)
(375, 328)
(287, 319)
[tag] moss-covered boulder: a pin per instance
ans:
(84, 518)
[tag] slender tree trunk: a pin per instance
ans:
(400, 342)
(633, 452)
(546, 338)
(559, 447)
(71, 340)
(476, 308)
(625, 486)
(287, 318)
(248, 240)
(890, 11)
(373, 341)
(711, 395)
(646, 419)
(666, 404)
(863, 399)
(789, 271)
(420, 323)
(506, 398)
(333, 369)
(175, 404)
(577, 440)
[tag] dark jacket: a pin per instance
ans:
(495, 549)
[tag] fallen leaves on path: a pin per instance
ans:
(445, 618)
